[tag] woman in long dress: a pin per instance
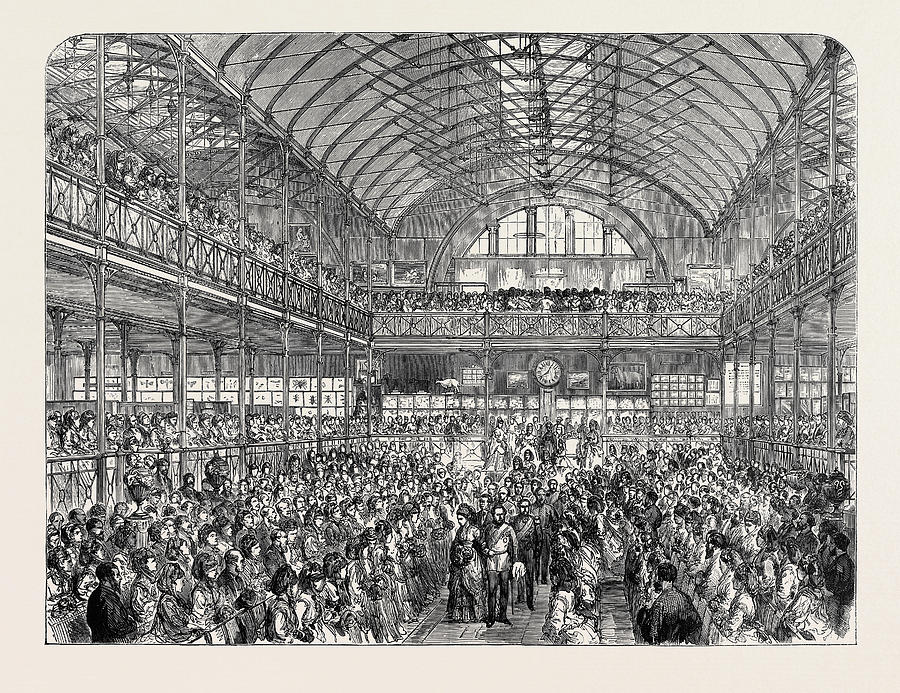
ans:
(467, 602)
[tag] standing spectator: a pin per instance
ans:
(840, 581)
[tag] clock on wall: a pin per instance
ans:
(548, 372)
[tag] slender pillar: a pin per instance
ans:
(770, 375)
(348, 386)
(87, 350)
(218, 348)
(124, 330)
(486, 363)
(242, 385)
(569, 227)
(181, 66)
(100, 359)
(179, 347)
(370, 231)
(831, 372)
(101, 134)
(100, 273)
(773, 205)
(285, 216)
(285, 328)
(834, 292)
(134, 355)
(242, 277)
(797, 313)
(531, 231)
(319, 368)
(734, 392)
(58, 317)
(722, 362)
(320, 220)
(751, 255)
(604, 377)
(752, 402)
(798, 191)
(735, 235)
(251, 373)
(721, 259)
(369, 371)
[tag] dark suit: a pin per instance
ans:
(546, 517)
(673, 618)
(273, 559)
(528, 533)
(653, 517)
(483, 520)
(840, 580)
(234, 588)
(108, 617)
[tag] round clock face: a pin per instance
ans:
(548, 372)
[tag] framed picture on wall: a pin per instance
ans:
(380, 274)
(409, 273)
(517, 380)
(627, 377)
(579, 380)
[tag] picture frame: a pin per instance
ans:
(408, 273)
(578, 380)
(517, 380)
(627, 377)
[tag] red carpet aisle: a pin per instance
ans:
(615, 623)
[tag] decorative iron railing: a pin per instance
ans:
(141, 230)
(138, 229)
(71, 200)
(429, 324)
(265, 282)
(213, 259)
(551, 325)
(845, 241)
(813, 259)
(796, 273)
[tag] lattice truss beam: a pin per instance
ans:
(681, 118)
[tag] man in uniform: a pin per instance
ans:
(528, 534)
(501, 555)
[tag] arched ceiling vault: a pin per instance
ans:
(471, 223)
(395, 116)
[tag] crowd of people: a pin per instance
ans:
(814, 222)
(69, 144)
(354, 545)
(666, 423)
(73, 433)
(725, 550)
(345, 547)
(141, 181)
(549, 300)
(812, 429)
(460, 423)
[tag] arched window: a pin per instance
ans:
(554, 230)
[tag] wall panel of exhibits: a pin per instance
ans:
(472, 338)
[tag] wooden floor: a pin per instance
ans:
(434, 629)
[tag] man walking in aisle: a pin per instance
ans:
(501, 556)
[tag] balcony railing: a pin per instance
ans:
(796, 273)
(551, 325)
(146, 234)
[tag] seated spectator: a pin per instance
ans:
(108, 616)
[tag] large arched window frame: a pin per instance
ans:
(555, 230)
